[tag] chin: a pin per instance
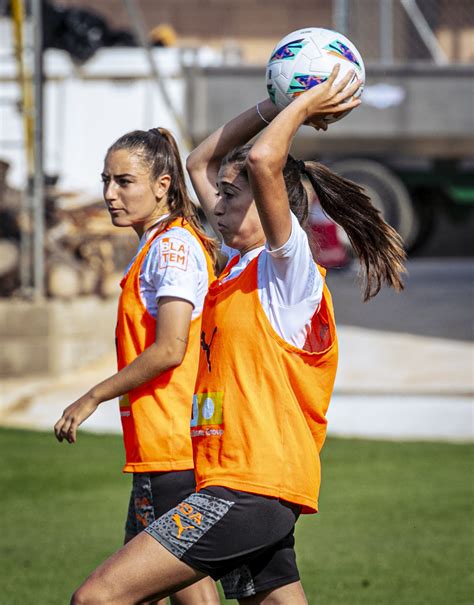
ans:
(120, 221)
(230, 241)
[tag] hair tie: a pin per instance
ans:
(301, 166)
(260, 115)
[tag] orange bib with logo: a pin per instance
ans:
(155, 416)
(259, 409)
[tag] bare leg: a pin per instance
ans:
(142, 570)
(127, 539)
(203, 592)
(291, 594)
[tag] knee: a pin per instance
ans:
(80, 597)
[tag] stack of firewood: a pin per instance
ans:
(84, 253)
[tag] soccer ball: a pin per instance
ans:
(305, 58)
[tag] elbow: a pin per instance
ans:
(192, 162)
(165, 357)
(261, 160)
(197, 163)
(175, 356)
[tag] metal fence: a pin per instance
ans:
(401, 31)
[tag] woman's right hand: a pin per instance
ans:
(329, 98)
(73, 416)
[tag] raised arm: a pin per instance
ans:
(204, 162)
(268, 155)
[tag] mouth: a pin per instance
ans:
(115, 211)
(221, 227)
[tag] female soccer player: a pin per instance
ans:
(158, 329)
(267, 365)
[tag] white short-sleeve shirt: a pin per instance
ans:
(175, 265)
(290, 286)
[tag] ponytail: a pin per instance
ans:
(378, 246)
(158, 150)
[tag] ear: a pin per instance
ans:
(161, 185)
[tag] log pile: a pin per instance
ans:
(84, 253)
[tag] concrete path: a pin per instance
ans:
(389, 386)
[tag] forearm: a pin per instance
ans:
(148, 365)
(233, 134)
(271, 149)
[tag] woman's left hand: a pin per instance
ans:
(329, 98)
(73, 416)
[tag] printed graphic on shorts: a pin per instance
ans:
(174, 252)
(124, 404)
(207, 412)
(185, 524)
(140, 513)
(238, 583)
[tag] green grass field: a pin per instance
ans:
(395, 525)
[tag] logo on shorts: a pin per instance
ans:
(190, 514)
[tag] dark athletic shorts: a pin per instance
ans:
(243, 539)
(153, 494)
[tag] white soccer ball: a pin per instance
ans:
(305, 58)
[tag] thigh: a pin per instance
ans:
(290, 593)
(139, 571)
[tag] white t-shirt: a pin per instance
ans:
(290, 287)
(175, 265)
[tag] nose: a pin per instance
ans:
(110, 193)
(219, 207)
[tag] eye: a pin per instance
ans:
(123, 182)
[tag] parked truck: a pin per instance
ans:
(410, 143)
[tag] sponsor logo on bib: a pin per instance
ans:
(207, 412)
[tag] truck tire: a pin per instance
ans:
(386, 192)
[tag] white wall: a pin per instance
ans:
(86, 109)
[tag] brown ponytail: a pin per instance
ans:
(377, 245)
(158, 150)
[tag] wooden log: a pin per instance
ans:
(9, 256)
(63, 281)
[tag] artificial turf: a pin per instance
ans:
(395, 523)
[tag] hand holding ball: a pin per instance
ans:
(306, 58)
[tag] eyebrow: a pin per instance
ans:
(118, 176)
(227, 183)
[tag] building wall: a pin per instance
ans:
(219, 18)
(255, 25)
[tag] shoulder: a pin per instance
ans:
(296, 245)
(177, 248)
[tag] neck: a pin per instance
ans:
(141, 228)
(251, 247)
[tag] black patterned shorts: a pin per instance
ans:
(153, 494)
(243, 539)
